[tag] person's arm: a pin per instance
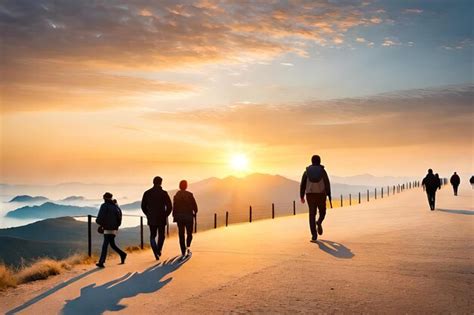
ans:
(327, 184)
(145, 203)
(303, 186)
(119, 216)
(169, 205)
(100, 217)
(195, 206)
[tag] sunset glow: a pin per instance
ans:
(239, 162)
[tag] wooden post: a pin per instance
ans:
(381, 193)
(167, 227)
(375, 196)
(368, 195)
(388, 191)
(273, 211)
(141, 232)
(250, 214)
(226, 218)
(215, 220)
(359, 197)
(341, 201)
(89, 235)
(294, 207)
(350, 200)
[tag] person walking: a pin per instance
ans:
(316, 186)
(184, 210)
(156, 205)
(431, 184)
(109, 220)
(455, 180)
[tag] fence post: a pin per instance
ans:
(141, 232)
(294, 207)
(375, 193)
(226, 218)
(215, 220)
(381, 193)
(350, 200)
(341, 201)
(89, 235)
(388, 191)
(250, 214)
(195, 223)
(167, 228)
(359, 197)
(273, 210)
(368, 195)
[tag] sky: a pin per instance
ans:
(121, 91)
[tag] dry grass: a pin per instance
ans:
(7, 278)
(41, 269)
(131, 249)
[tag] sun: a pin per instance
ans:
(239, 162)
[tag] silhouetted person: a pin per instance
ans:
(315, 184)
(455, 181)
(110, 218)
(184, 211)
(431, 184)
(156, 205)
(471, 180)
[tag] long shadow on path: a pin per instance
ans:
(106, 297)
(49, 292)
(335, 249)
(465, 212)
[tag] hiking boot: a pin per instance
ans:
(320, 229)
(188, 252)
(100, 265)
(314, 238)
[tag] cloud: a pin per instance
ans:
(360, 40)
(288, 64)
(413, 11)
(390, 42)
(416, 117)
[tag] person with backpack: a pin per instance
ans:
(455, 180)
(316, 186)
(431, 184)
(184, 210)
(156, 205)
(109, 219)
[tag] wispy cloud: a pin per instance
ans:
(288, 64)
(374, 121)
(413, 11)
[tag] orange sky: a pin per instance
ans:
(139, 89)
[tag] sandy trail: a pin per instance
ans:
(391, 255)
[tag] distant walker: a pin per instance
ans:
(184, 210)
(316, 186)
(455, 180)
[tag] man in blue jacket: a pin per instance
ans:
(156, 205)
(315, 184)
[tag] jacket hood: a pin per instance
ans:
(315, 173)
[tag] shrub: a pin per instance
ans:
(41, 269)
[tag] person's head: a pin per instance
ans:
(108, 196)
(183, 185)
(430, 171)
(436, 175)
(157, 181)
(455, 173)
(316, 160)
(115, 201)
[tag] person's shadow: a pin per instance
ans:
(106, 297)
(465, 212)
(335, 249)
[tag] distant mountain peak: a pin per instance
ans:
(28, 198)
